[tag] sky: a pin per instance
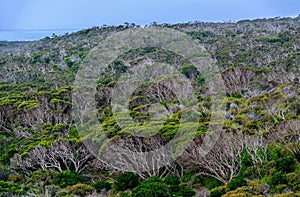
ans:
(79, 14)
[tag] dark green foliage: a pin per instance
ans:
(281, 38)
(38, 177)
(8, 189)
(172, 180)
(5, 186)
(176, 189)
(202, 35)
(104, 80)
(168, 131)
(73, 134)
(297, 156)
(236, 95)
(278, 178)
(285, 36)
(3, 174)
(156, 187)
(35, 57)
(237, 182)
(274, 39)
(274, 152)
(200, 81)
(68, 61)
(151, 189)
(118, 67)
(184, 191)
(190, 71)
(99, 185)
(246, 161)
(66, 178)
(210, 182)
(218, 191)
(286, 164)
(126, 181)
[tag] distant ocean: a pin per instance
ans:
(29, 35)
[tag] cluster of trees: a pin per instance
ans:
(61, 155)
(257, 151)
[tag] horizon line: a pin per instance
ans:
(159, 23)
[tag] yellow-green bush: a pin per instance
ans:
(293, 181)
(218, 191)
(289, 194)
(80, 189)
(255, 188)
(16, 178)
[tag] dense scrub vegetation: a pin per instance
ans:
(258, 153)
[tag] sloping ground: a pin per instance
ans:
(258, 152)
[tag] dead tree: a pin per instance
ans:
(286, 134)
(61, 155)
(223, 162)
(256, 148)
(146, 157)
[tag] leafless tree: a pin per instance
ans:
(78, 156)
(18, 164)
(223, 162)
(4, 119)
(286, 134)
(237, 79)
(46, 158)
(147, 158)
(61, 155)
(256, 147)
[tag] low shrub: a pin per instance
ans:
(237, 182)
(279, 188)
(156, 187)
(5, 186)
(126, 181)
(16, 178)
(286, 164)
(289, 194)
(183, 191)
(8, 188)
(218, 191)
(210, 182)
(80, 189)
(254, 188)
(293, 181)
(100, 185)
(278, 178)
(3, 174)
(40, 176)
(124, 194)
(258, 187)
(66, 178)
(172, 180)
(151, 188)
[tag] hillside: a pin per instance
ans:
(257, 153)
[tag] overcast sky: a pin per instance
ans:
(78, 14)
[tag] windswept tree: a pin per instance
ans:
(256, 149)
(223, 162)
(286, 134)
(62, 155)
(145, 157)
